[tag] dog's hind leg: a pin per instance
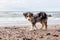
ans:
(46, 25)
(42, 24)
(35, 27)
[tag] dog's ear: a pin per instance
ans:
(31, 14)
(24, 14)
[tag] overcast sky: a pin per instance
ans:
(29, 5)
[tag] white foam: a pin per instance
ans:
(9, 21)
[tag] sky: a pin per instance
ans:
(29, 5)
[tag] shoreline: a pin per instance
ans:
(19, 25)
(50, 26)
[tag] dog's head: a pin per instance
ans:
(28, 15)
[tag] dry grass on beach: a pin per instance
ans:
(18, 33)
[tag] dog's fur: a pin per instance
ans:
(40, 17)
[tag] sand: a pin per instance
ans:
(23, 32)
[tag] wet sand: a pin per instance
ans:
(23, 32)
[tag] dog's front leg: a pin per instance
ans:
(34, 26)
(31, 27)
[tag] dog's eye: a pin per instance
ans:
(27, 16)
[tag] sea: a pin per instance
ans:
(15, 18)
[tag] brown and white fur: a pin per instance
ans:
(40, 17)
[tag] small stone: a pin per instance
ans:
(35, 39)
(26, 38)
(7, 27)
(41, 37)
(0, 38)
(56, 35)
(48, 34)
(58, 30)
(17, 39)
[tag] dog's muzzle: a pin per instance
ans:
(29, 19)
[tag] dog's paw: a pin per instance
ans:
(31, 29)
(41, 28)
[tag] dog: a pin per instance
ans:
(40, 17)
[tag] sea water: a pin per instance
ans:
(12, 18)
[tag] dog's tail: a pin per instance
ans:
(49, 15)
